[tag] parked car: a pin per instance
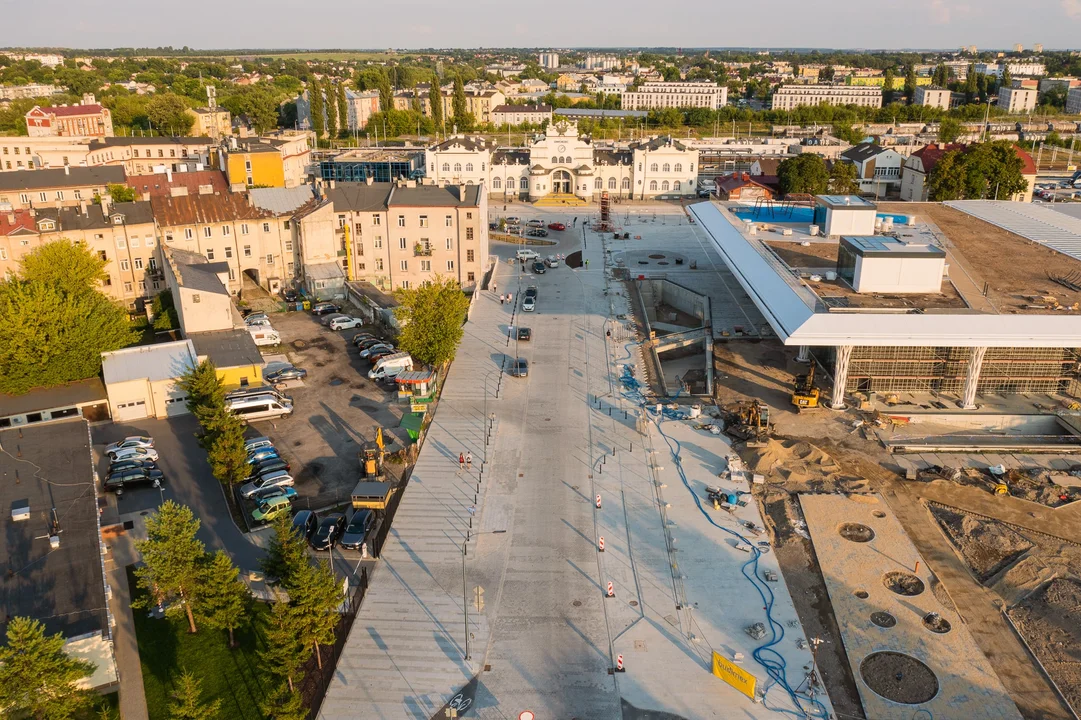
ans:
(370, 342)
(330, 529)
(270, 508)
(538, 267)
(305, 522)
(525, 333)
(535, 223)
(272, 492)
(273, 479)
(117, 481)
(362, 337)
(134, 453)
(290, 296)
(551, 261)
(263, 453)
(264, 335)
(513, 220)
(390, 366)
(367, 352)
(132, 441)
(520, 368)
(529, 304)
(328, 318)
(346, 322)
(257, 443)
(256, 317)
(132, 463)
(290, 372)
(537, 232)
(527, 254)
(531, 292)
(356, 532)
(264, 467)
(556, 226)
(324, 308)
(380, 353)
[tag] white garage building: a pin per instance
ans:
(142, 381)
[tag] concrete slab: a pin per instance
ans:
(854, 572)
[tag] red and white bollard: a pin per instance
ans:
(619, 664)
(600, 544)
(611, 590)
(598, 501)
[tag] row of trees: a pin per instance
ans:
(808, 174)
(990, 170)
(56, 322)
(223, 432)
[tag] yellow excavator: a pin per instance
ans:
(371, 457)
(749, 421)
(804, 392)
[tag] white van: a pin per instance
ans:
(258, 407)
(391, 366)
(265, 335)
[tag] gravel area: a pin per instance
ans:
(987, 547)
(899, 677)
(1050, 620)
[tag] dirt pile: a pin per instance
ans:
(987, 546)
(800, 467)
(1049, 621)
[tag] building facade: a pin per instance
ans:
(1017, 99)
(215, 122)
(932, 97)
(280, 160)
(33, 90)
(548, 60)
(1073, 101)
(90, 120)
(514, 115)
(878, 168)
(142, 155)
(788, 97)
(660, 95)
(63, 187)
(32, 153)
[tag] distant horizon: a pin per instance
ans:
(658, 49)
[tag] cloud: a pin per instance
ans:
(1072, 8)
(943, 11)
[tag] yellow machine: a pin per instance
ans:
(750, 421)
(804, 392)
(371, 457)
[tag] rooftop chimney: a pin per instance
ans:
(82, 208)
(67, 170)
(368, 180)
(168, 174)
(105, 200)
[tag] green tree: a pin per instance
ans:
(1007, 79)
(284, 654)
(37, 678)
(888, 80)
(990, 170)
(910, 83)
(949, 129)
(432, 318)
(317, 107)
(458, 102)
(803, 174)
(287, 553)
(173, 557)
(164, 311)
(206, 397)
(226, 452)
(435, 99)
(343, 108)
(316, 595)
(168, 113)
(121, 193)
(285, 704)
(332, 111)
(188, 703)
(947, 178)
(941, 76)
(69, 267)
(970, 84)
(259, 103)
(843, 180)
(223, 602)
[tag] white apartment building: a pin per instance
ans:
(1018, 68)
(788, 97)
(602, 62)
(1017, 100)
(33, 90)
(549, 60)
(1073, 101)
(935, 97)
(660, 95)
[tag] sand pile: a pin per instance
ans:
(800, 467)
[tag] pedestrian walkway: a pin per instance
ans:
(126, 648)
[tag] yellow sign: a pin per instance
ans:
(734, 675)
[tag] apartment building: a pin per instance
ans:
(360, 106)
(1017, 99)
(935, 97)
(32, 153)
(548, 60)
(58, 187)
(33, 90)
(602, 62)
(279, 160)
(88, 120)
(215, 122)
(121, 234)
(878, 168)
(660, 95)
(230, 229)
(1073, 101)
(144, 155)
(514, 115)
(459, 159)
(788, 97)
(394, 235)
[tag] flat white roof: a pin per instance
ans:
(799, 319)
(1040, 224)
(153, 362)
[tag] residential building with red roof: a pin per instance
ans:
(919, 165)
(741, 186)
(87, 120)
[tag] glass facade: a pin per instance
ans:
(378, 171)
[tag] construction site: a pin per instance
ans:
(912, 423)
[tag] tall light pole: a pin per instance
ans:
(465, 591)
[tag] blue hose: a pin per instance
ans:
(773, 662)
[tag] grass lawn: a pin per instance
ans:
(235, 675)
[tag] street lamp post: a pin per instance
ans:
(465, 590)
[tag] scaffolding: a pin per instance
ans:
(943, 369)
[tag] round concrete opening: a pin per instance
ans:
(656, 256)
(861, 594)
(879, 514)
(899, 677)
(936, 623)
(663, 262)
(856, 532)
(883, 619)
(903, 583)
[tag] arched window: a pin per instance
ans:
(598, 184)
(524, 183)
(496, 183)
(676, 185)
(446, 167)
(470, 182)
(679, 167)
(457, 167)
(611, 183)
(626, 185)
(664, 185)
(667, 168)
(469, 167)
(555, 161)
(653, 185)
(653, 167)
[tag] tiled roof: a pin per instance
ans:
(72, 110)
(71, 218)
(202, 209)
(929, 155)
(468, 143)
(160, 184)
(61, 178)
(16, 222)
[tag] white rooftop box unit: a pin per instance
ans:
(888, 265)
(20, 510)
(845, 215)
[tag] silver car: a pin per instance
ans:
(274, 479)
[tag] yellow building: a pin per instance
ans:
(880, 81)
(212, 122)
(277, 161)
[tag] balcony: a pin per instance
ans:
(421, 250)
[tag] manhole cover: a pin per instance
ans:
(577, 603)
(643, 262)
(883, 619)
(299, 344)
(861, 594)
(336, 381)
(903, 583)
(879, 514)
(936, 623)
(856, 532)
(634, 603)
(898, 677)
(656, 256)
(663, 262)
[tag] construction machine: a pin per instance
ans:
(804, 392)
(749, 421)
(371, 457)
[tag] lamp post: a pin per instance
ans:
(465, 592)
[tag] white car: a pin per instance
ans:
(133, 453)
(279, 478)
(346, 322)
(529, 304)
(132, 441)
(528, 254)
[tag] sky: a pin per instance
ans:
(405, 24)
